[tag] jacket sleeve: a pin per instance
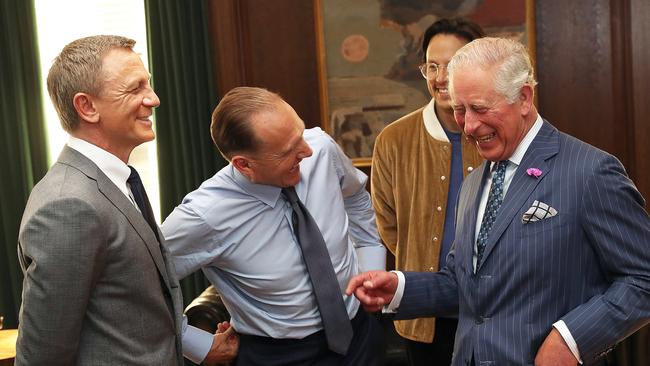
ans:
(61, 252)
(382, 194)
(429, 294)
(618, 228)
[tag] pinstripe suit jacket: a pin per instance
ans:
(589, 265)
(97, 288)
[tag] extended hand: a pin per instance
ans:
(555, 352)
(224, 346)
(374, 289)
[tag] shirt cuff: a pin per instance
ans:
(568, 338)
(196, 342)
(371, 258)
(397, 298)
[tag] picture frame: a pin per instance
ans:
(369, 51)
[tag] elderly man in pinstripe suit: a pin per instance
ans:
(551, 263)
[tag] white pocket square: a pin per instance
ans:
(538, 211)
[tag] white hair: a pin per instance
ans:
(508, 58)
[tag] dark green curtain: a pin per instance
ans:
(23, 145)
(181, 68)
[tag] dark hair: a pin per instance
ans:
(231, 128)
(459, 27)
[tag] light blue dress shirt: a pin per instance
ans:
(240, 234)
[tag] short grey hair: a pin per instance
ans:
(509, 59)
(78, 69)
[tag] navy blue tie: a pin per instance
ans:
(141, 199)
(329, 297)
(495, 199)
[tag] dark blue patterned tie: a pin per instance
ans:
(491, 209)
(336, 323)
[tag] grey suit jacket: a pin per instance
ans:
(589, 265)
(97, 288)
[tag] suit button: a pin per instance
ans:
(469, 169)
(479, 320)
(443, 177)
(435, 238)
(430, 269)
(439, 208)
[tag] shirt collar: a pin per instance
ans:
(518, 155)
(109, 164)
(265, 193)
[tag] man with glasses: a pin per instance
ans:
(418, 165)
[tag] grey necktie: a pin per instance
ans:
(329, 297)
(495, 198)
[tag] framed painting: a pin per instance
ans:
(370, 52)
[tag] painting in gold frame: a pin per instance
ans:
(369, 51)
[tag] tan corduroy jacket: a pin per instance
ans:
(410, 183)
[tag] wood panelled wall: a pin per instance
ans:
(593, 63)
(270, 44)
(639, 75)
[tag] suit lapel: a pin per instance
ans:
(544, 146)
(121, 202)
(136, 219)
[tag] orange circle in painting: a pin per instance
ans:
(354, 48)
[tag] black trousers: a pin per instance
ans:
(366, 348)
(437, 352)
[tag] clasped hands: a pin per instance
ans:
(375, 289)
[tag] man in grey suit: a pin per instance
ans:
(551, 263)
(99, 288)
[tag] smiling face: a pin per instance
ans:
(440, 50)
(125, 104)
(487, 118)
(282, 148)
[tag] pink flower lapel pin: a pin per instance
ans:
(534, 172)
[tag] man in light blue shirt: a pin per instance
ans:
(237, 227)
